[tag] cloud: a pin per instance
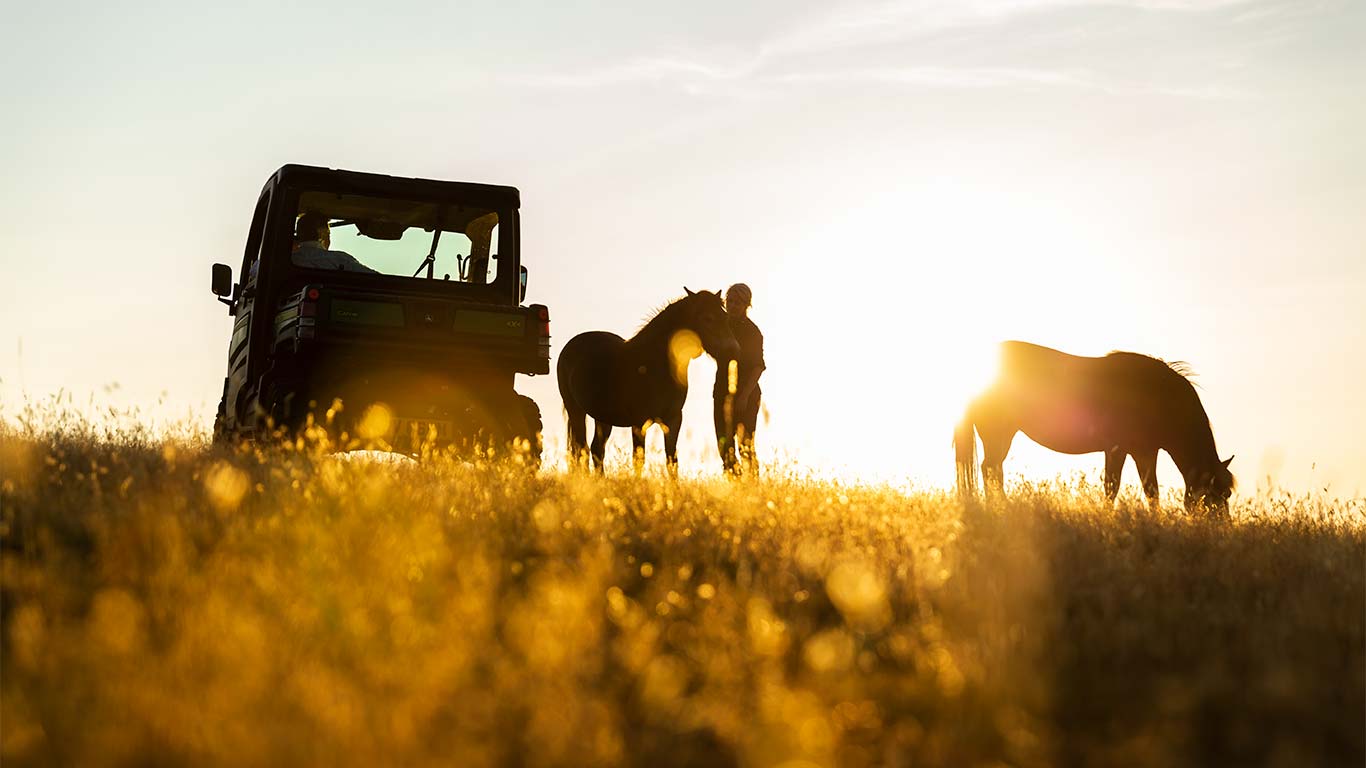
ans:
(997, 77)
(863, 24)
(835, 47)
(697, 78)
(642, 70)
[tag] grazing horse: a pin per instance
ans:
(1123, 404)
(642, 380)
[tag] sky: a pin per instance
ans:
(902, 184)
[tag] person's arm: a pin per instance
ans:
(745, 387)
(352, 264)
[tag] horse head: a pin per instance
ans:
(704, 313)
(1211, 488)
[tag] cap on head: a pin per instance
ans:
(739, 295)
(309, 226)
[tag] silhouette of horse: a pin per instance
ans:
(642, 380)
(1123, 404)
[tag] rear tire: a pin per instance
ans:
(220, 429)
(525, 423)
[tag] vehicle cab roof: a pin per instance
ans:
(357, 182)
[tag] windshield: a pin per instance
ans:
(423, 240)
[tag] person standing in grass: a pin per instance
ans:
(736, 394)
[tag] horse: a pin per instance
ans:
(1123, 404)
(642, 380)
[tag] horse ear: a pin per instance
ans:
(1227, 462)
(687, 290)
(718, 294)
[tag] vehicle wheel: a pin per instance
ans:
(278, 412)
(220, 430)
(526, 424)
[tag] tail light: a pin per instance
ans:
(308, 311)
(543, 318)
(542, 338)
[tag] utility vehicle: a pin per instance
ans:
(384, 310)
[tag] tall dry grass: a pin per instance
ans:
(167, 603)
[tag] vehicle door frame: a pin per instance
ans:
(243, 358)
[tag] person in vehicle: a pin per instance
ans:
(736, 394)
(312, 236)
(480, 233)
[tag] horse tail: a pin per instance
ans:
(965, 450)
(576, 418)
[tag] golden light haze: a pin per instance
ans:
(902, 184)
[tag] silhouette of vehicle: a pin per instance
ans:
(403, 309)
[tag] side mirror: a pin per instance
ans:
(222, 280)
(521, 283)
(222, 283)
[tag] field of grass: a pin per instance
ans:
(167, 604)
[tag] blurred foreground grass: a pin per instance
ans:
(167, 604)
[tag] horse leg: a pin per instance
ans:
(722, 419)
(748, 423)
(996, 442)
(672, 426)
(638, 447)
(1114, 470)
(601, 431)
(744, 440)
(1146, 461)
(578, 436)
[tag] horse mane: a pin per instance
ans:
(658, 312)
(1179, 367)
(655, 311)
(1190, 396)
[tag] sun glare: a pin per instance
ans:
(880, 350)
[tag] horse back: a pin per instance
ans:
(588, 351)
(1121, 398)
(600, 374)
(1028, 365)
(590, 345)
